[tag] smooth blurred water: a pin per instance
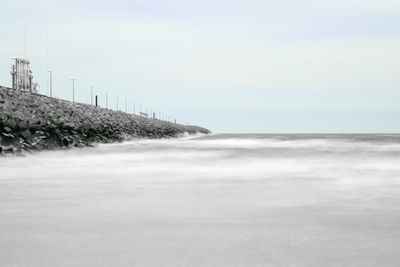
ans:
(219, 200)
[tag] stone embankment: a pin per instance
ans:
(31, 122)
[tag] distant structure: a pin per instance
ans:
(22, 76)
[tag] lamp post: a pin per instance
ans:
(51, 82)
(117, 101)
(91, 94)
(73, 89)
(106, 98)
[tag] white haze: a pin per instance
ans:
(222, 200)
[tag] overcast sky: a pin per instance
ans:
(231, 66)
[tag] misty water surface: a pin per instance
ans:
(220, 200)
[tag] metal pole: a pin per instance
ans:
(47, 61)
(24, 43)
(106, 99)
(30, 84)
(126, 105)
(13, 73)
(73, 89)
(51, 82)
(13, 79)
(16, 74)
(91, 94)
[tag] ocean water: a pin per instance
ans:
(218, 200)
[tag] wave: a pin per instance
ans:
(210, 158)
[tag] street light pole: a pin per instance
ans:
(91, 94)
(51, 82)
(117, 101)
(73, 89)
(106, 99)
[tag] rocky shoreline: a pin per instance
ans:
(32, 122)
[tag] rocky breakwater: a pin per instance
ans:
(30, 122)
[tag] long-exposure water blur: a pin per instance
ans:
(218, 200)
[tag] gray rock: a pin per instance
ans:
(38, 122)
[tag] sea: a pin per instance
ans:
(209, 200)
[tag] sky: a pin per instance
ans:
(249, 66)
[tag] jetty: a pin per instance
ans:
(30, 121)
